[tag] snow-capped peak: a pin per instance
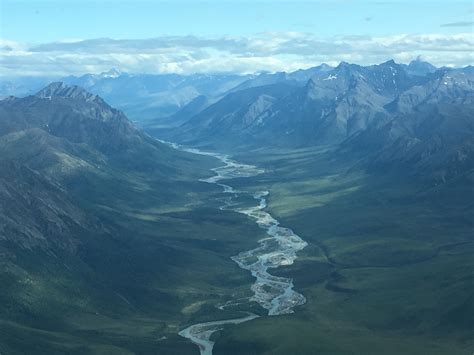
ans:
(112, 73)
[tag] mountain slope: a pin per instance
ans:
(100, 228)
(197, 105)
(296, 78)
(145, 96)
(234, 115)
(331, 107)
(430, 134)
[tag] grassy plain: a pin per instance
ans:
(388, 269)
(161, 261)
(389, 265)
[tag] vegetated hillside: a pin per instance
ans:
(101, 226)
(388, 266)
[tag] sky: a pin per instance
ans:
(76, 37)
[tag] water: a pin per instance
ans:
(275, 294)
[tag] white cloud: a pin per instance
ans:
(270, 51)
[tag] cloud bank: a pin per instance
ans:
(265, 51)
(459, 24)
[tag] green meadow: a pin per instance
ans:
(387, 270)
(389, 265)
(161, 262)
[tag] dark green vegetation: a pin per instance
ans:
(373, 167)
(108, 242)
(389, 265)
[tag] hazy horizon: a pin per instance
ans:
(156, 37)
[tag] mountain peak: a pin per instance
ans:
(390, 62)
(112, 73)
(343, 64)
(418, 60)
(420, 67)
(62, 90)
(346, 67)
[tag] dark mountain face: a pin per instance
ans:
(389, 114)
(336, 104)
(78, 121)
(62, 133)
(37, 213)
(197, 105)
(333, 104)
(444, 87)
(429, 131)
(237, 114)
(69, 112)
(44, 140)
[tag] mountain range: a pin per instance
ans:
(109, 242)
(140, 96)
(157, 98)
(394, 114)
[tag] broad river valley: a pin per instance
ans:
(275, 294)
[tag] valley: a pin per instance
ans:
(236, 177)
(275, 294)
(327, 211)
(382, 268)
(117, 253)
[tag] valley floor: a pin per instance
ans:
(388, 269)
(162, 262)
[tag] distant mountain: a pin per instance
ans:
(444, 86)
(158, 97)
(236, 114)
(189, 110)
(147, 96)
(22, 86)
(392, 116)
(419, 67)
(297, 78)
(332, 105)
(430, 131)
(196, 106)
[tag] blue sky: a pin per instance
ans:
(441, 31)
(46, 21)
